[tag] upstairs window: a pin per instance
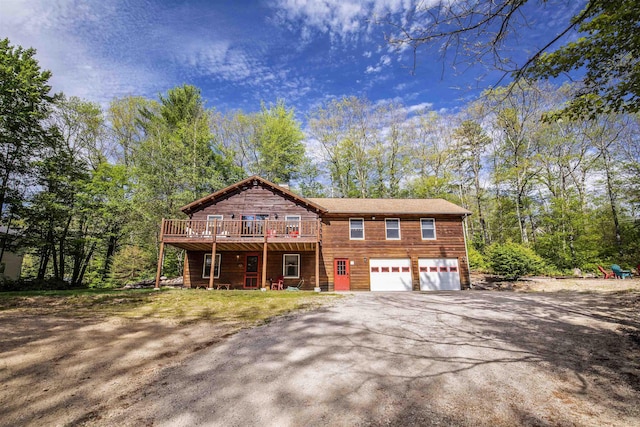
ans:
(356, 228)
(428, 227)
(292, 224)
(392, 226)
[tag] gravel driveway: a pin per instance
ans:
(467, 358)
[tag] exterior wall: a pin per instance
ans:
(255, 200)
(449, 243)
(231, 272)
(12, 264)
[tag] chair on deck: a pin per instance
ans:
(619, 272)
(278, 285)
(296, 287)
(607, 275)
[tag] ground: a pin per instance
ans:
(548, 356)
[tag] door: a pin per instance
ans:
(251, 271)
(439, 274)
(341, 274)
(391, 274)
(252, 225)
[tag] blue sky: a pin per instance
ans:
(242, 52)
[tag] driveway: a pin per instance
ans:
(461, 358)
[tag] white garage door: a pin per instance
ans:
(391, 274)
(439, 274)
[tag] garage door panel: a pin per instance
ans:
(439, 274)
(390, 274)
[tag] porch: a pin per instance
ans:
(243, 244)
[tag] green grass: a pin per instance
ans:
(183, 305)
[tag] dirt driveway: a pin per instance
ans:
(468, 358)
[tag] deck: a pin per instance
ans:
(241, 235)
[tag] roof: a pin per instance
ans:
(252, 180)
(390, 206)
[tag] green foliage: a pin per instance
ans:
(477, 261)
(609, 51)
(131, 264)
(513, 260)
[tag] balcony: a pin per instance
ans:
(247, 235)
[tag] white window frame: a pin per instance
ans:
(351, 229)
(211, 219)
(386, 229)
(206, 271)
(289, 221)
(284, 266)
(433, 221)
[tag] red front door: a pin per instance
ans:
(251, 271)
(341, 274)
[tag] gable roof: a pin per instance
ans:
(390, 206)
(238, 186)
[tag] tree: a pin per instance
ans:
(25, 100)
(278, 144)
(608, 49)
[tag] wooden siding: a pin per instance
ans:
(449, 243)
(255, 200)
(231, 272)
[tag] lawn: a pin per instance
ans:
(183, 305)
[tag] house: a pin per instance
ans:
(11, 262)
(254, 232)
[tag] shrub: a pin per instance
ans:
(476, 260)
(512, 260)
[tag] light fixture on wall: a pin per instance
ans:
(276, 216)
(233, 216)
(365, 259)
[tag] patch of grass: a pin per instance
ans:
(183, 305)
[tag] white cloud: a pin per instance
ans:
(340, 19)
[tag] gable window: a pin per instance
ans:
(206, 267)
(392, 225)
(356, 228)
(293, 224)
(428, 227)
(211, 219)
(291, 266)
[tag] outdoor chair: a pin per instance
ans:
(296, 287)
(607, 275)
(277, 285)
(619, 272)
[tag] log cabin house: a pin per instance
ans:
(254, 233)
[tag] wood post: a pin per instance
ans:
(317, 284)
(264, 265)
(213, 264)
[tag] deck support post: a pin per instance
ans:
(317, 284)
(212, 268)
(264, 265)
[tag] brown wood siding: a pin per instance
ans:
(255, 200)
(231, 272)
(449, 243)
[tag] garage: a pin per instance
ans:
(391, 274)
(439, 274)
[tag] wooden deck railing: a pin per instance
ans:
(194, 229)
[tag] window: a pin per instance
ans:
(210, 221)
(393, 228)
(356, 228)
(293, 224)
(291, 266)
(206, 268)
(428, 227)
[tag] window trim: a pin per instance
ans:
(433, 221)
(386, 229)
(292, 223)
(284, 266)
(350, 229)
(205, 274)
(210, 219)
